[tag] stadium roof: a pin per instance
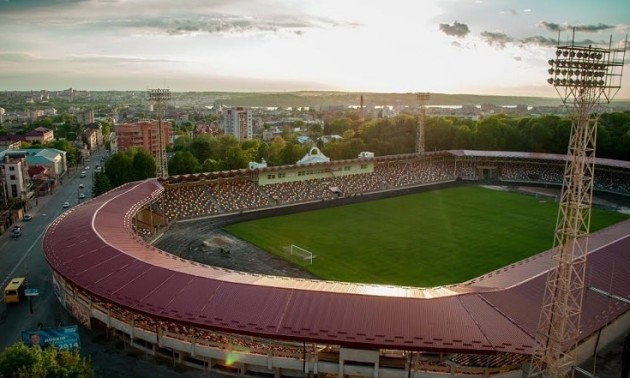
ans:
(535, 156)
(93, 246)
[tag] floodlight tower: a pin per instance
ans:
(586, 79)
(159, 97)
(422, 100)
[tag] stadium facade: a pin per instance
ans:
(108, 275)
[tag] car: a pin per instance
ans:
(66, 205)
(81, 186)
(16, 233)
(83, 174)
(81, 196)
(27, 217)
(88, 167)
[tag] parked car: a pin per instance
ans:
(16, 233)
(83, 174)
(81, 196)
(81, 186)
(66, 205)
(27, 217)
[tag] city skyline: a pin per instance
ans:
(475, 46)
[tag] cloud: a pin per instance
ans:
(552, 26)
(216, 24)
(456, 44)
(518, 58)
(539, 40)
(16, 57)
(510, 11)
(456, 30)
(527, 10)
(496, 39)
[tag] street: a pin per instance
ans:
(23, 257)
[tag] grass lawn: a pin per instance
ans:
(425, 239)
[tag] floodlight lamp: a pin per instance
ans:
(599, 56)
(579, 54)
(550, 80)
(564, 72)
(551, 71)
(558, 52)
(551, 62)
(572, 54)
(565, 53)
(570, 72)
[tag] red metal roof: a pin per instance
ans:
(94, 247)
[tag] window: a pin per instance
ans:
(346, 168)
(271, 177)
(282, 175)
(14, 191)
(11, 168)
(12, 177)
(363, 166)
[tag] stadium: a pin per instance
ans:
(108, 273)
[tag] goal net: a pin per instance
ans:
(299, 254)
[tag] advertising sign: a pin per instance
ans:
(62, 338)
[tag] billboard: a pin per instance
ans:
(62, 338)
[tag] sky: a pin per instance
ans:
(445, 46)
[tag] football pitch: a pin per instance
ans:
(426, 239)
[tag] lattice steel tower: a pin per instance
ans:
(586, 78)
(159, 97)
(422, 100)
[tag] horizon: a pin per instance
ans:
(462, 47)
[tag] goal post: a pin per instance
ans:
(299, 254)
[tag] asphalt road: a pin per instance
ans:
(23, 257)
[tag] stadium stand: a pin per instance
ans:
(159, 302)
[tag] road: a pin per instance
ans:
(23, 256)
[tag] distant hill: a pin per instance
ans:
(308, 98)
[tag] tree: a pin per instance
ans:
(118, 168)
(235, 158)
(277, 144)
(143, 165)
(18, 360)
(101, 184)
(183, 162)
(202, 147)
(291, 153)
(210, 165)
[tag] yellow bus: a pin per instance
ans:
(14, 290)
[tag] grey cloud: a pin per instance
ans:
(539, 40)
(552, 26)
(518, 58)
(496, 39)
(456, 44)
(219, 24)
(456, 30)
(593, 28)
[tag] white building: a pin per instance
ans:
(238, 122)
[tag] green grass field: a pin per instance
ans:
(425, 239)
